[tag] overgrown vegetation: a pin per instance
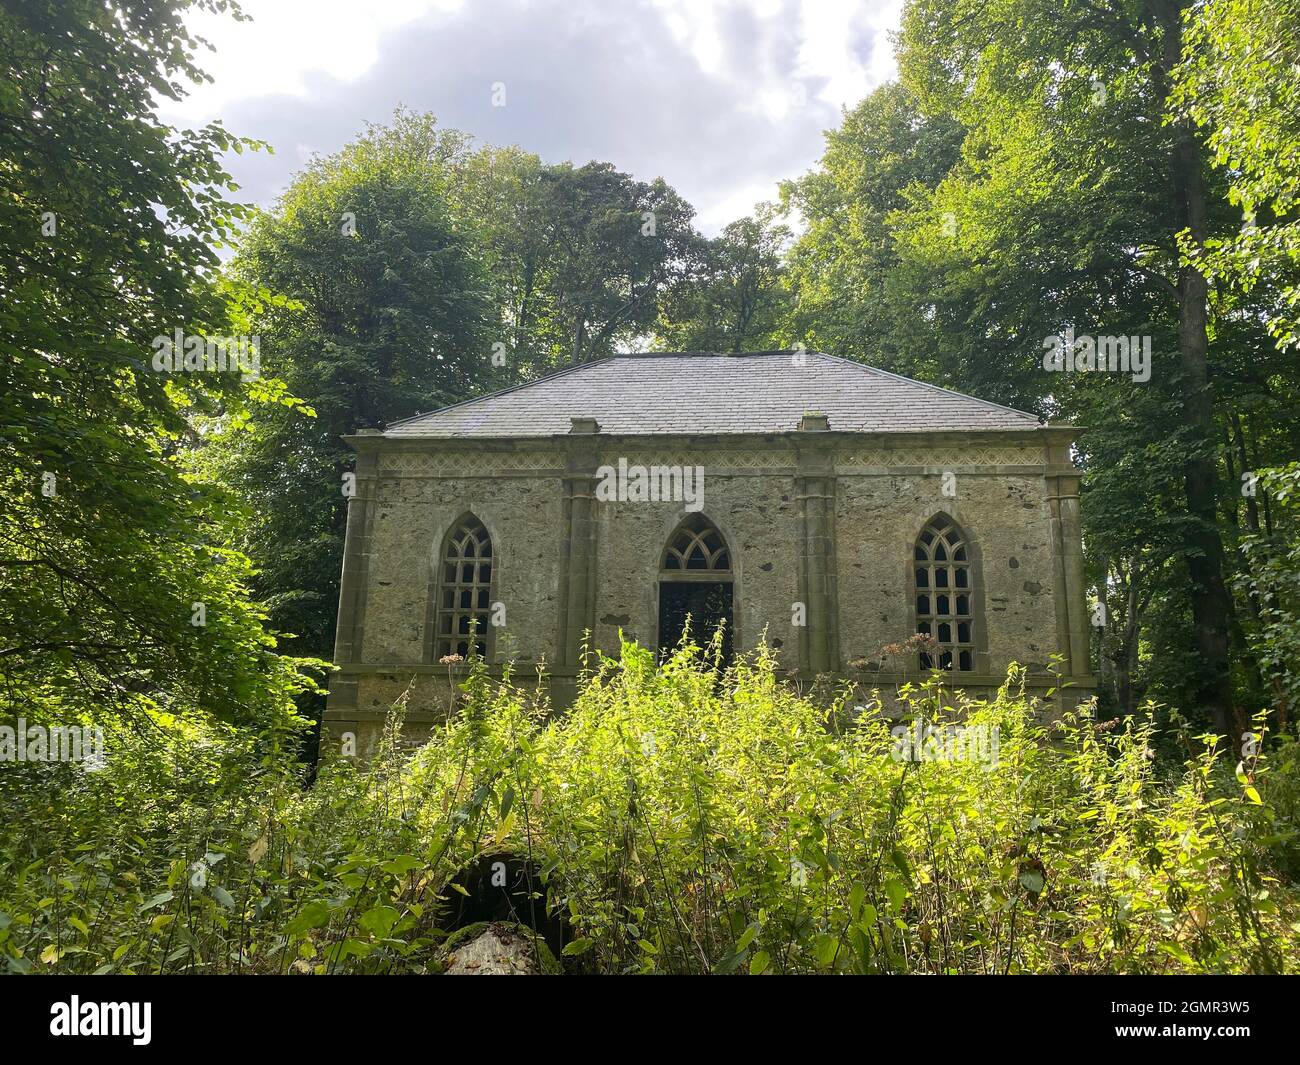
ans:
(681, 820)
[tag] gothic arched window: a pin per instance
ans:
(695, 583)
(463, 604)
(697, 545)
(945, 595)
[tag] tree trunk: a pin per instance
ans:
(1211, 604)
(579, 342)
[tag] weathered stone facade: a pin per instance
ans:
(820, 526)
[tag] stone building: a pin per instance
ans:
(831, 507)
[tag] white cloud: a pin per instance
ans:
(721, 98)
(287, 40)
(846, 43)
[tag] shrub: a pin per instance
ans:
(681, 818)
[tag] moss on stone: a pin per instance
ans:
(546, 961)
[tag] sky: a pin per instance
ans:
(720, 98)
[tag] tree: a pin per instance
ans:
(384, 314)
(843, 269)
(1239, 81)
(1091, 85)
(735, 298)
(615, 244)
(500, 192)
(118, 591)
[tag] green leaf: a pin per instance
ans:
(313, 915)
(900, 863)
(1175, 951)
(1032, 881)
(158, 900)
(354, 948)
(825, 948)
(378, 920)
(857, 896)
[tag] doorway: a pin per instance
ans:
(706, 603)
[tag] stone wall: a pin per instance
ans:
(758, 517)
(819, 519)
(410, 520)
(1006, 517)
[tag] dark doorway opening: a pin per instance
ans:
(706, 603)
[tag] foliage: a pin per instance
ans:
(108, 224)
(734, 299)
(613, 244)
(1240, 81)
(370, 305)
(584, 261)
(1272, 581)
(684, 820)
(850, 296)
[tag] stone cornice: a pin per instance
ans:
(1056, 435)
(1037, 452)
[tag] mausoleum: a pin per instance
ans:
(831, 508)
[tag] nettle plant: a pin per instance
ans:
(679, 817)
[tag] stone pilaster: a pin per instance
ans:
(578, 558)
(819, 638)
(1067, 549)
(349, 628)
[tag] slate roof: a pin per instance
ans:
(687, 392)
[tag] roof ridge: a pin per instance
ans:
(697, 354)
